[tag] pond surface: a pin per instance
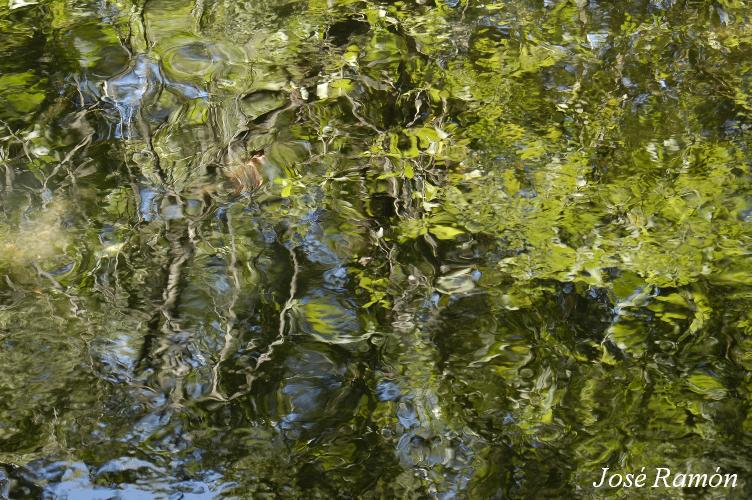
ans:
(361, 249)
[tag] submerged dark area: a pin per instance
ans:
(360, 249)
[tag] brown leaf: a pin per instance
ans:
(246, 176)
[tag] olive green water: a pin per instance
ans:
(360, 249)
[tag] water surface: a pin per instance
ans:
(360, 249)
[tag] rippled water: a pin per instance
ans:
(414, 249)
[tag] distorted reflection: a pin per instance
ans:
(417, 249)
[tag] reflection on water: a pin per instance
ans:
(420, 249)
